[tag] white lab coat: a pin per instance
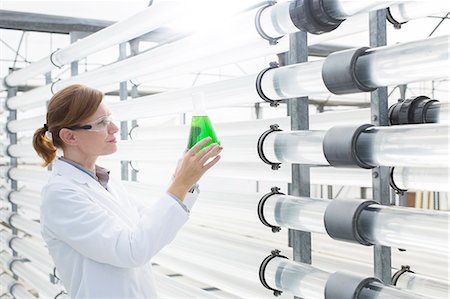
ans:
(101, 241)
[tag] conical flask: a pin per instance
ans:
(201, 126)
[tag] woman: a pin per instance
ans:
(100, 239)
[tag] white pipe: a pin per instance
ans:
(30, 249)
(34, 278)
(145, 21)
(424, 286)
(28, 226)
(410, 10)
(15, 288)
(398, 227)
(226, 39)
(421, 179)
(27, 199)
(306, 281)
(342, 9)
(408, 145)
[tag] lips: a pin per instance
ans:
(113, 141)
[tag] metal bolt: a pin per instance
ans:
(374, 117)
(375, 174)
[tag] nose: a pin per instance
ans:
(113, 128)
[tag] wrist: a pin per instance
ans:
(179, 190)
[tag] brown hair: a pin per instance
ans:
(66, 108)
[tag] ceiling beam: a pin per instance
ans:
(48, 23)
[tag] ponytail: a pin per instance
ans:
(44, 146)
(66, 108)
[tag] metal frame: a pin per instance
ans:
(380, 175)
(298, 109)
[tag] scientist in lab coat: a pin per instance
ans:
(100, 238)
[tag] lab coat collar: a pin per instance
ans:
(65, 169)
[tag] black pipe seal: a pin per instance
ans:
(338, 72)
(274, 253)
(310, 16)
(272, 40)
(260, 145)
(273, 103)
(340, 146)
(394, 186)
(262, 201)
(392, 20)
(399, 273)
(341, 219)
(411, 111)
(342, 285)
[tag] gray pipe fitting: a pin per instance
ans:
(338, 72)
(339, 146)
(341, 220)
(311, 16)
(342, 285)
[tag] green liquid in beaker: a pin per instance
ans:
(201, 127)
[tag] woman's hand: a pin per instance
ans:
(192, 167)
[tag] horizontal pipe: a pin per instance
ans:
(408, 178)
(29, 249)
(404, 12)
(31, 276)
(342, 9)
(306, 281)
(407, 146)
(285, 89)
(143, 22)
(28, 226)
(419, 284)
(257, 47)
(16, 289)
(28, 199)
(398, 227)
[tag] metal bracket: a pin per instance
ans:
(274, 190)
(272, 40)
(392, 183)
(273, 128)
(399, 273)
(273, 103)
(274, 253)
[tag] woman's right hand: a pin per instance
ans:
(193, 165)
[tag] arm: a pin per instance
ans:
(71, 217)
(192, 167)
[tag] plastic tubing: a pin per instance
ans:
(145, 21)
(398, 227)
(30, 249)
(422, 285)
(15, 288)
(34, 278)
(306, 281)
(409, 145)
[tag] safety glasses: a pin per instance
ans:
(100, 124)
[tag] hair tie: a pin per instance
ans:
(46, 127)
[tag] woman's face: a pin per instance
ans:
(99, 140)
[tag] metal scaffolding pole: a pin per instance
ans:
(380, 175)
(299, 112)
(123, 94)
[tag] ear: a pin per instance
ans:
(68, 136)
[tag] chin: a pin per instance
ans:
(110, 150)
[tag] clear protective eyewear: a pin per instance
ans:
(100, 124)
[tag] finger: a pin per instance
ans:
(211, 153)
(212, 163)
(199, 145)
(206, 150)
